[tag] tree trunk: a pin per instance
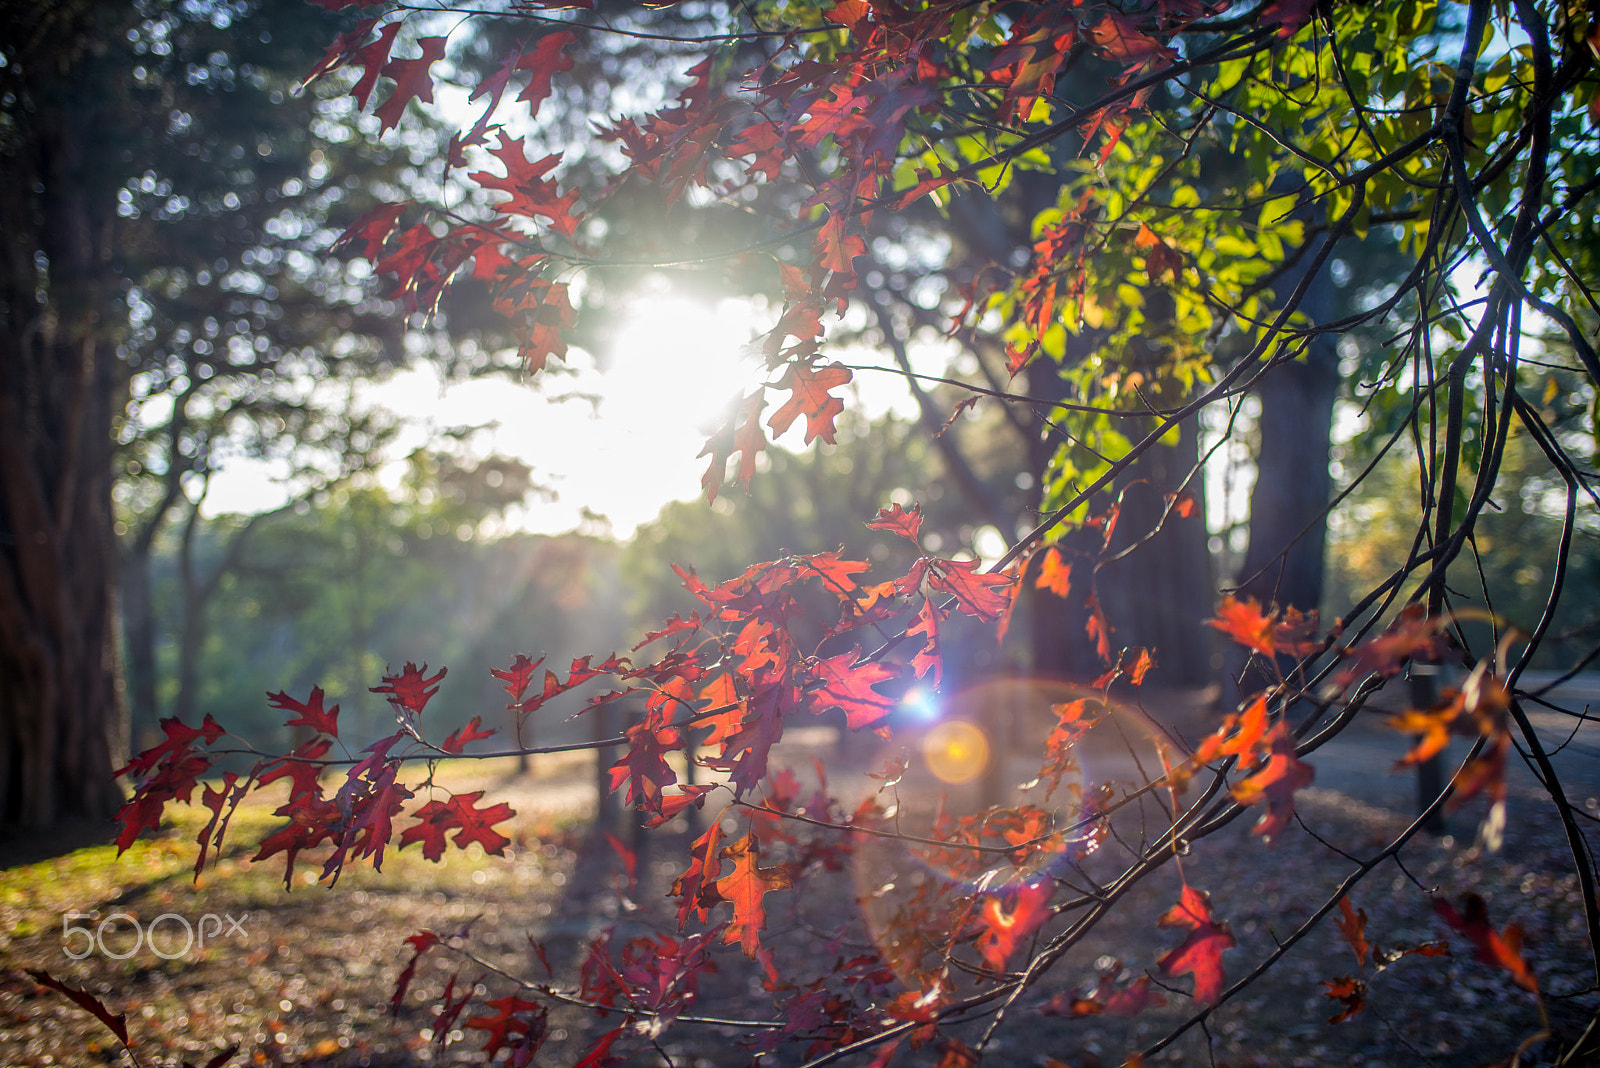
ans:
(139, 641)
(61, 382)
(1160, 595)
(1284, 563)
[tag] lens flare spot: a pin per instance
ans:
(920, 703)
(956, 751)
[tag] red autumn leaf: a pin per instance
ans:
(493, 87)
(1098, 628)
(1055, 574)
(837, 575)
(1134, 998)
(1241, 735)
(340, 51)
(547, 59)
(1036, 57)
(1143, 664)
(178, 744)
(460, 815)
(300, 767)
(167, 772)
(472, 732)
(741, 435)
(600, 1055)
(369, 809)
(372, 57)
(1290, 16)
(514, 1021)
(744, 757)
(1010, 917)
(517, 676)
(691, 796)
(981, 594)
(765, 142)
(1245, 623)
(836, 250)
(1003, 624)
(928, 658)
(1107, 999)
(927, 182)
(723, 712)
(1353, 925)
(1074, 719)
(644, 766)
(117, 1022)
(1412, 635)
(1117, 37)
(1018, 358)
(847, 686)
(420, 943)
(809, 396)
(371, 230)
(232, 792)
(1160, 258)
(1275, 782)
(309, 714)
(744, 888)
(676, 625)
(451, 1009)
(410, 691)
(957, 1054)
(532, 195)
(411, 82)
(1348, 990)
(1201, 952)
(907, 524)
(1500, 949)
(705, 865)
(1422, 949)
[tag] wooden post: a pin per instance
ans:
(1430, 773)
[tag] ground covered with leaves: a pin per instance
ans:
(309, 976)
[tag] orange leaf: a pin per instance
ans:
(744, 887)
(1410, 636)
(1142, 665)
(742, 435)
(1352, 992)
(809, 396)
(847, 685)
(1004, 931)
(905, 523)
(835, 249)
(927, 659)
(981, 594)
(1275, 783)
(1245, 623)
(1201, 953)
(1054, 574)
(1499, 949)
(1098, 629)
(1353, 925)
(957, 1054)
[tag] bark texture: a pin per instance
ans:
(60, 384)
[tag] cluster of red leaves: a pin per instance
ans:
(727, 681)
(859, 106)
(1477, 709)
